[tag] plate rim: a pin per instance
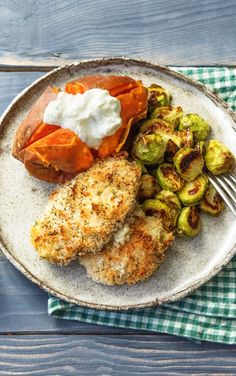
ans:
(134, 62)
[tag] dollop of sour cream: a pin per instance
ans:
(92, 115)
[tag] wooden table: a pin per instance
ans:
(34, 37)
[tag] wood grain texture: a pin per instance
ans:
(113, 355)
(178, 32)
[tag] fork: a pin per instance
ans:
(226, 186)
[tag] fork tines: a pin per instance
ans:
(226, 187)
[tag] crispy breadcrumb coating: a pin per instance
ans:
(82, 216)
(134, 260)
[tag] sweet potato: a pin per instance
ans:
(116, 85)
(49, 152)
(54, 154)
(132, 96)
(62, 150)
(33, 120)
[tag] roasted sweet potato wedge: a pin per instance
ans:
(33, 121)
(132, 96)
(48, 151)
(55, 154)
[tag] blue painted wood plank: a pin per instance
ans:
(169, 32)
(112, 355)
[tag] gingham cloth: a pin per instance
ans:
(210, 312)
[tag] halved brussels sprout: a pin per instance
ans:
(193, 191)
(189, 222)
(160, 210)
(167, 134)
(211, 203)
(168, 178)
(157, 97)
(198, 126)
(150, 124)
(149, 148)
(169, 114)
(188, 163)
(179, 138)
(218, 158)
(186, 137)
(148, 188)
(171, 200)
(171, 150)
(201, 146)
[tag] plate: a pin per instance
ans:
(188, 264)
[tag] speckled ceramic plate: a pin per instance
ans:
(189, 263)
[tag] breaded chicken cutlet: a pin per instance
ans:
(83, 215)
(134, 254)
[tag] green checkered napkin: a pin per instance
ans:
(210, 312)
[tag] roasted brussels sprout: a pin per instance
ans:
(186, 137)
(171, 150)
(168, 177)
(188, 163)
(218, 158)
(193, 191)
(179, 138)
(160, 210)
(148, 188)
(149, 148)
(201, 146)
(211, 203)
(198, 126)
(169, 114)
(189, 222)
(171, 200)
(150, 124)
(157, 97)
(167, 134)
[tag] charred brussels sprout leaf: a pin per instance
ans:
(201, 147)
(186, 137)
(168, 177)
(160, 210)
(218, 158)
(149, 148)
(169, 114)
(198, 126)
(193, 191)
(189, 222)
(179, 138)
(171, 200)
(157, 97)
(167, 134)
(150, 124)
(212, 203)
(171, 150)
(188, 163)
(148, 188)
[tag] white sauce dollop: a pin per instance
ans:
(92, 115)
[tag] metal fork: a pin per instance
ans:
(226, 186)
